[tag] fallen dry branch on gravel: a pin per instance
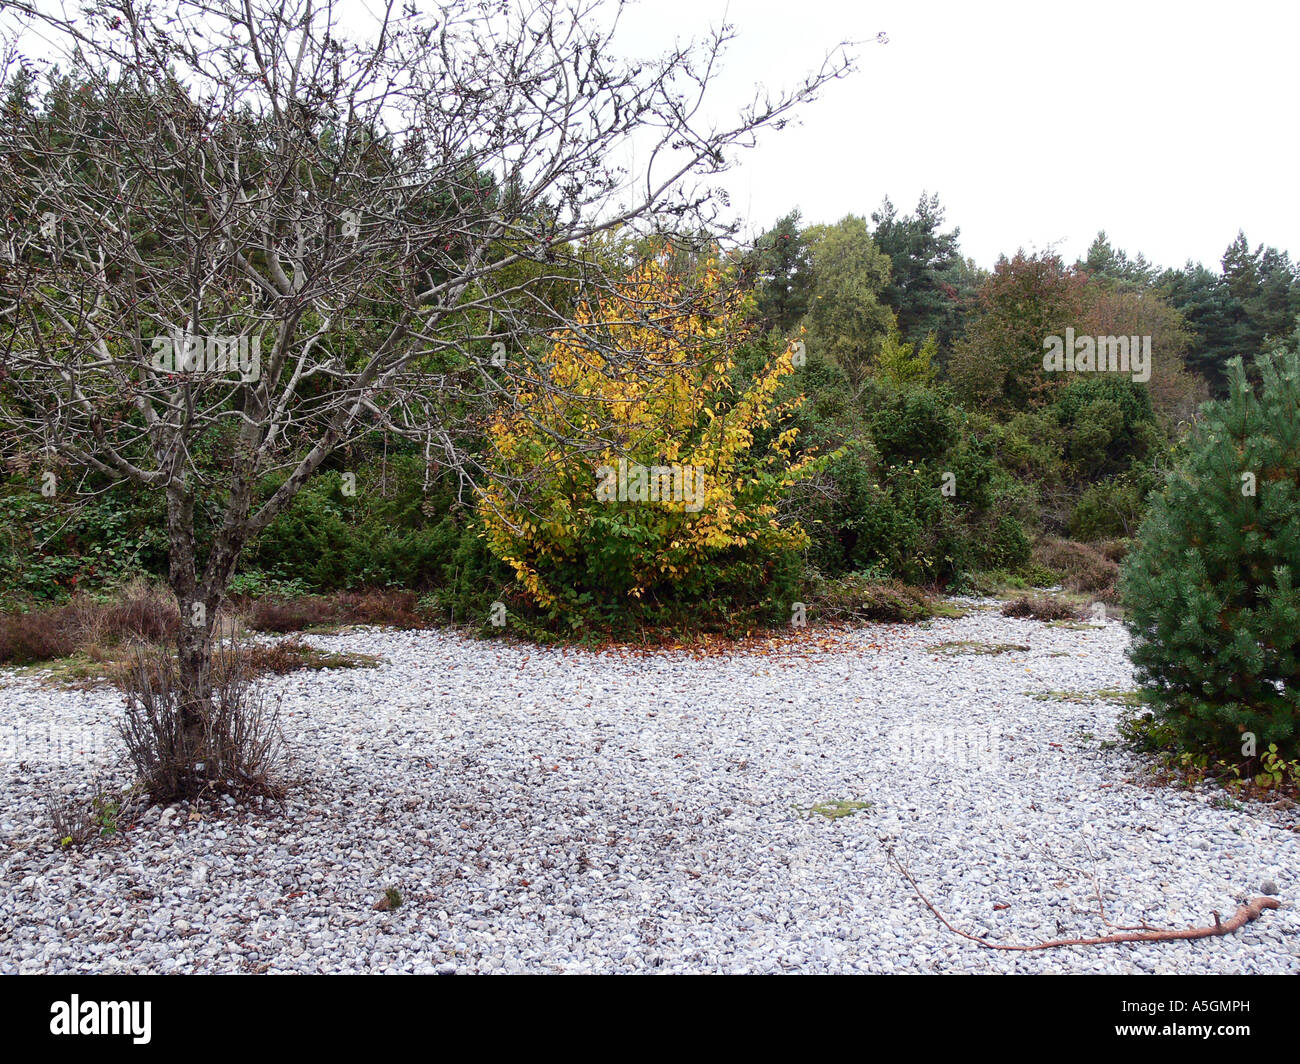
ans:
(1252, 910)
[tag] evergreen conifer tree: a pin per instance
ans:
(1210, 591)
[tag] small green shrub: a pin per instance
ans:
(79, 821)
(1108, 509)
(1211, 593)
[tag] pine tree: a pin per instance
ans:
(784, 275)
(929, 286)
(1212, 312)
(1211, 591)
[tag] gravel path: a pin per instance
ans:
(550, 810)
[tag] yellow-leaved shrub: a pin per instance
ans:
(638, 477)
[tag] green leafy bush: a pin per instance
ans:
(912, 423)
(1108, 509)
(51, 548)
(389, 533)
(921, 498)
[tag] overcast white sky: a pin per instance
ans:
(1169, 125)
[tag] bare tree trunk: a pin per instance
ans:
(200, 602)
(194, 634)
(194, 668)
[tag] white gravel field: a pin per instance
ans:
(547, 810)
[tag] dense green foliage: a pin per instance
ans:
(930, 285)
(1253, 299)
(952, 450)
(947, 448)
(1211, 589)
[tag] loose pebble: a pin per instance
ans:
(561, 810)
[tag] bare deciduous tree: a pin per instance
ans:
(236, 237)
